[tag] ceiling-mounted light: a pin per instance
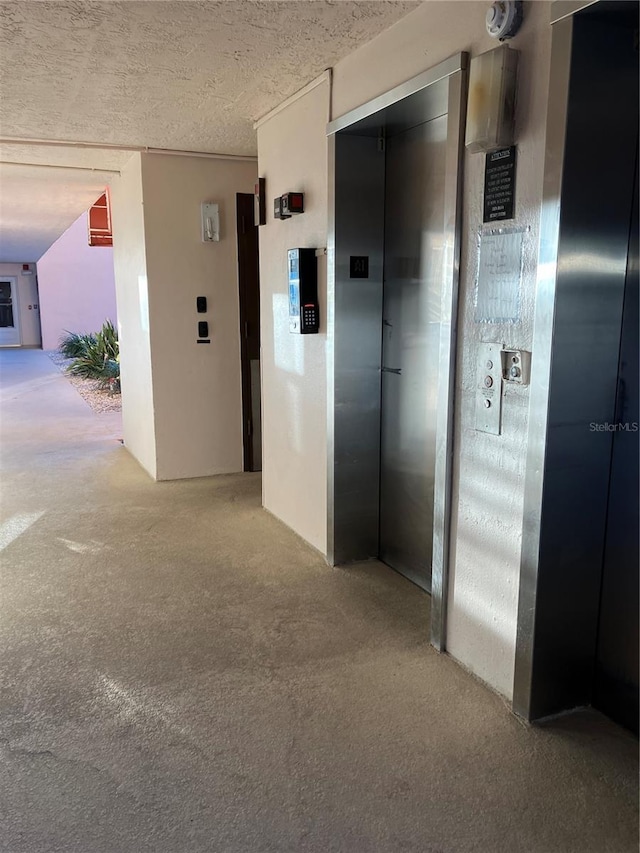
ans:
(504, 19)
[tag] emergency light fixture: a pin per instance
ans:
(492, 96)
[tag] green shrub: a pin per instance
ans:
(73, 345)
(95, 356)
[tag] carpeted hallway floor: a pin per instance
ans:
(180, 673)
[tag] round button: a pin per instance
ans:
(488, 381)
(489, 365)
(487, 404)
(515, 372)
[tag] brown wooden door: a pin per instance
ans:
(249, 285)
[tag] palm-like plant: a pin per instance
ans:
(73, 345)
(95, 356)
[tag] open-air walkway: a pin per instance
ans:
(180, 673)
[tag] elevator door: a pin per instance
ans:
(413, 271)
(616, 675)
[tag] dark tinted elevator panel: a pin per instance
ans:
(616, 677)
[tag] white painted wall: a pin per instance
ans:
(293, 156)
(76, 283)
(181, 400)
(130, 268)
(28, 302)
(489, 470)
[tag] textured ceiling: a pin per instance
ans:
(178, 74)
(38, 204)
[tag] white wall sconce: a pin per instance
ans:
(492, 95)
(210, 222)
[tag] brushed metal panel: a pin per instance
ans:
(557, 108)
(359, 222)
(456, 115)
(581, 320)
(562, 9)
(331, 329)
(455, 63)
(414, 260)
(411, 111)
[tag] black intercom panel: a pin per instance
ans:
(304, 311)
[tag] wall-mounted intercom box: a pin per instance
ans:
(278, 212)
(304, 311)
(516, 366)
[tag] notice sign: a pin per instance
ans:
(499, 275)
(499, 184)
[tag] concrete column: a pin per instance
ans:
(181, 400)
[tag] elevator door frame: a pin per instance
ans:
(391, 106)
(551, 639)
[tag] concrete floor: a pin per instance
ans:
(180, 673)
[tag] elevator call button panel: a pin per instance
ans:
(489, 389)
(498, 368)
(304, 311)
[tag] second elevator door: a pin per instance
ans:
(413, 270)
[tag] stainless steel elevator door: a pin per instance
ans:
(413, 272)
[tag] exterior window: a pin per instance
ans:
(100, 223)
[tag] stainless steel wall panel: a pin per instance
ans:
(422, 106)
(578, 355)
(558, 101)
(562, 9)
(331, 331)
(456, 114)
(442, 71)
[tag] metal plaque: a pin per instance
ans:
(499, 184)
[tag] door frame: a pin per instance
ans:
(15, 304)
(454, 71)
